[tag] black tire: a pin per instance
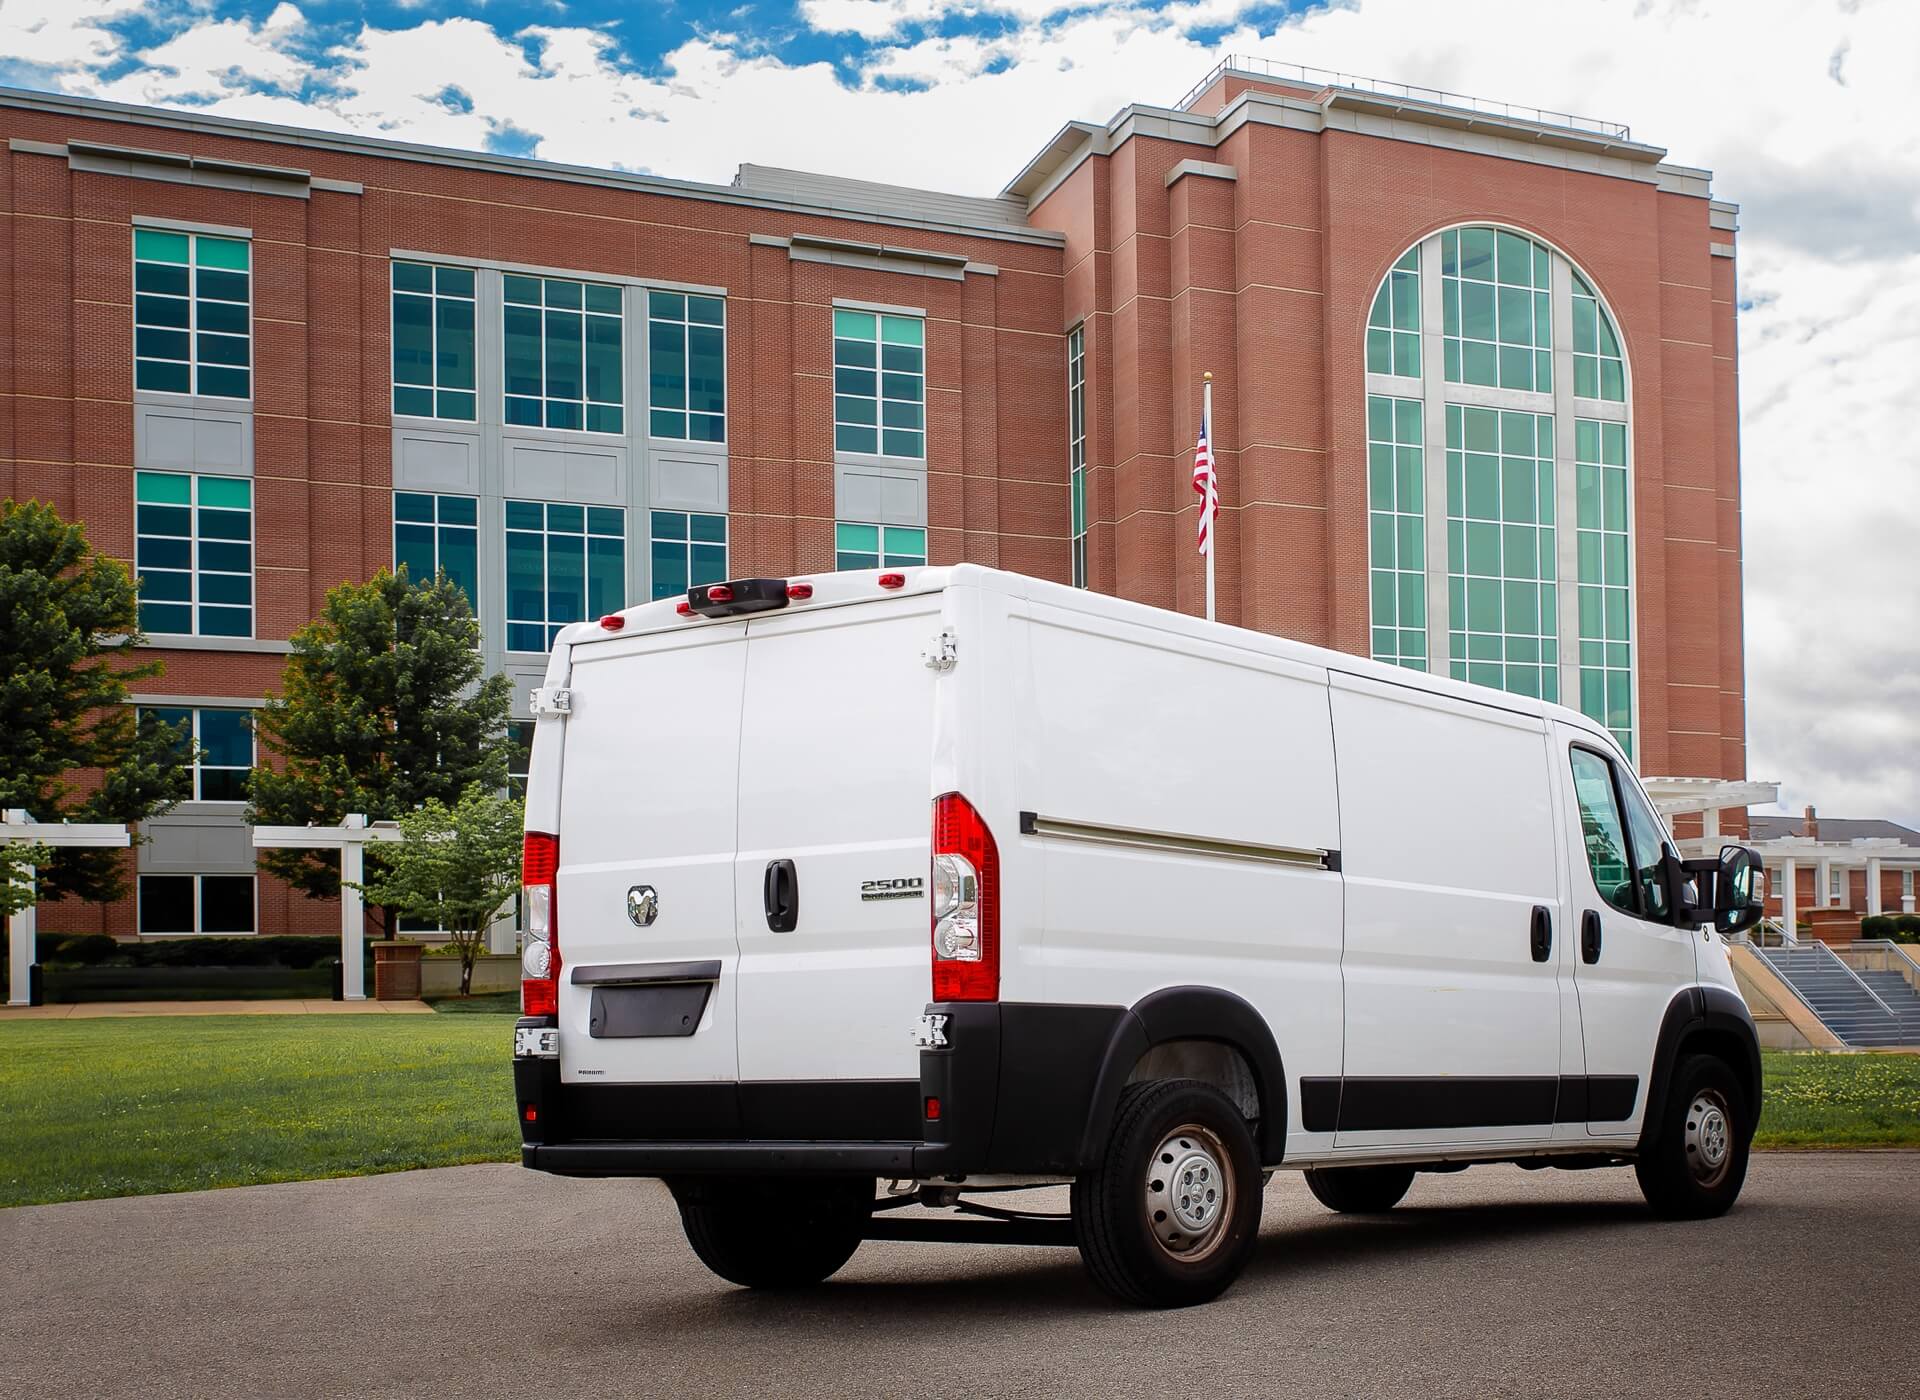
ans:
(1694, 1165)
(1359, 1190)
(777, 1233)
(1124, 1240)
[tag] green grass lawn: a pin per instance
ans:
(181, 1103)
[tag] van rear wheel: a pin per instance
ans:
(1173, 1213)
(776, 1233)
(1359, 1190)
(1696, 1156)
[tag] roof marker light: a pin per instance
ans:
(799, 592)
(684, 608)
(613, 622)
(720, 593)
(893, 580)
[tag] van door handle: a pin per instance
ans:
(1590, 936)
(782, 892)
(1542, 933)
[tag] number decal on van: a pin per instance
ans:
(893, 889)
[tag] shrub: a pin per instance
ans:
(87, 949)
(1906, 928)
(290, 951)
(1878, 926)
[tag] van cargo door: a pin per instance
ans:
(648, 804)
(836, 750)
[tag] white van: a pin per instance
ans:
(961, 881)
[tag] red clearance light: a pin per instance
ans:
(893, 580)
(933, 1109)
(719, 593)
(613, 622)
(684, 608)
(799, 592)
(532, 1115)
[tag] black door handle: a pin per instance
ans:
(782, 892)
(1542, 933)
(1590, 936)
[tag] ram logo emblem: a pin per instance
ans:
(642, 905)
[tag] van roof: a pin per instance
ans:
(865, 585)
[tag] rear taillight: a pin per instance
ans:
(540, 957)
(966, 903)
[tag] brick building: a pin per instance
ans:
(1475, 402)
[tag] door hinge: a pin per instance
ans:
(552, 700)
(942, 651)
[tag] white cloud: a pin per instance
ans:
(1801, 110)
(218, 58)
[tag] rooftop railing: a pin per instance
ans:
(1322, 78)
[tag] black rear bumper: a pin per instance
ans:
(1013, 1087)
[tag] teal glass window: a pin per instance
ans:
(1077, 449)
(1605, 582)
(565, 563)
(1496, 303)
(1393, 326)
(1502, 568)
(1397, 525)
(432, 533)
(879, 384)
(1599, 369)
(686, 549)
(225, 742)
(196, 904)
(687, 367)
(519, 755)
(563, 354)
(192, 314)
(857, 546)
(433, 341)
(193, 553)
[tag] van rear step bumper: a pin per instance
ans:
(888, 1159)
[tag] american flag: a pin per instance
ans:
(1205, 485)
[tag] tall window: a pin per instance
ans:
(1606, 623)
(687, 367)
(196, 904)
(193, 552)
(431, 533)
(225, 744)
(686, 549)
(192, 314)
(563, 354)
(433, 320)
(1077, 449)
(519, 755)
(1501, 564)
(565, 563)
(1499, 323)
(857, 546)
(1393, 327)
(1599, 372)
(1397, 545)
(879, 384)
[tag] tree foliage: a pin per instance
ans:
(457, 869)
(382, 710)
(71, 746)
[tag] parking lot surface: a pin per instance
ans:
(491, 1280)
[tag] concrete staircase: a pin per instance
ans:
(1845, 1000)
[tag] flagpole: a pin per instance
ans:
(1213, 453)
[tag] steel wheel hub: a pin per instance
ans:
(1187, 1195)
(1709, 1137)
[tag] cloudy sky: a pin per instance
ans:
(1802, 111)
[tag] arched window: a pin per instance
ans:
(1475, 568)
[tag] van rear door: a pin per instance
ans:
(648, 804)
(836, 753)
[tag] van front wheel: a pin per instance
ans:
(1172, 1215)
(1696, 1157)
(778, 1233)
(1359, 1190)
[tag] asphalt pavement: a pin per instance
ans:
(490, 1280)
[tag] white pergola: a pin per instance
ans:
(23, 927)
(1708, 797)
(350, 838)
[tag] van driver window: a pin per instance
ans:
(1649, 844)
(1601, 828)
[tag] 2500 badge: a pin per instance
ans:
(893, 889)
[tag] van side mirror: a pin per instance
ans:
(1740, 889)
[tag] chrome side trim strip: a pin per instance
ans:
(1059, 828)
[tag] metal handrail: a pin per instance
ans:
(1322, 77)
(1859, 981)
(1888, 947)
(1787, 982)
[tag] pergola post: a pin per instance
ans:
(23, 928)
(1873, 884)
(1822, 882)
(22, 944)
(1789, 891)
(350, 839)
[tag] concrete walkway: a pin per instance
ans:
(97, 1010)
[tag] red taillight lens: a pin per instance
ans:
(719, 593)
(799, 592)
(893, 580)
(540, 955)
(966, 903)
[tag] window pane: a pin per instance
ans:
(669, 559)
(523, 351)
(1601, 828)
(226, 904)
(157, 245)
(225, 736)
(166, 904)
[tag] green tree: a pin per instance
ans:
(382, 710)
(458, 868)
(71, 746)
